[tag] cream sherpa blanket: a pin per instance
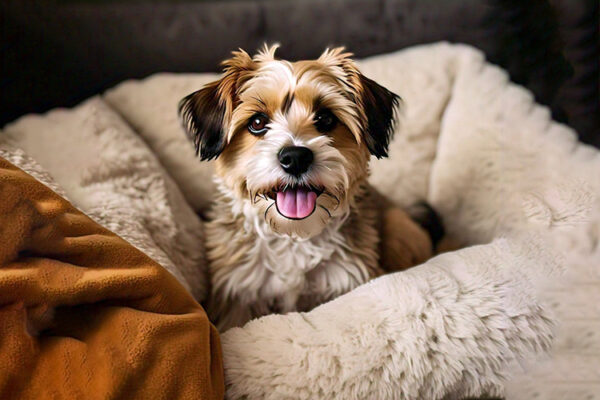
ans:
(512, 185)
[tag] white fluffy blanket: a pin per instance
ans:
(513, 186)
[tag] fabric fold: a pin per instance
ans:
(87, 315)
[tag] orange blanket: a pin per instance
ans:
(83, 314)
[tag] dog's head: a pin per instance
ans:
(291, 139)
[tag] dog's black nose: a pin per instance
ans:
(295, 160)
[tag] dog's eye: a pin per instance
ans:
(258, 124)
(325, 121)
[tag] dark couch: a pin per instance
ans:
(56, 53)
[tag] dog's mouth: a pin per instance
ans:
(295, 202)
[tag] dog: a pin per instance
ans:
(294, 222)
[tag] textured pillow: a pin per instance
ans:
(150, 106)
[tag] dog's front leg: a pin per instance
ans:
(407, 238)
(404, 243)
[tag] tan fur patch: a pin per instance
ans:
(230, 165)
(357, 154)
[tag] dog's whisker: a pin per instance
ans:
(326, 210)
(267, 210)
(337, 200)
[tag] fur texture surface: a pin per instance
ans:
(507, 181)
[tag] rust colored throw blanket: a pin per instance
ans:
(85, 315)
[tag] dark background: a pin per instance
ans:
(57, 53)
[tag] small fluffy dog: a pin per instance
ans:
(294, 222)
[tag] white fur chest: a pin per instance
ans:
(299, 274)
(255, 271)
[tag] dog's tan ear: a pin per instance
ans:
(377, 106)
(206, 113)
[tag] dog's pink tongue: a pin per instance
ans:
(296, 203)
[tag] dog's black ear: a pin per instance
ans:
(203, 115)
(206, 113)
(379, 106)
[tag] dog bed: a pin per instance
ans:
(516, 189)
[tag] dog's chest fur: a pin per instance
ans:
(255, 271)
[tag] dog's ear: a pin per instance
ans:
(379, 107)
(206, 113)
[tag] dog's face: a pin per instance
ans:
(293, 140)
